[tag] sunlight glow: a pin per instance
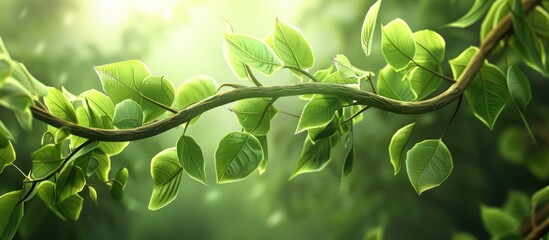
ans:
(117, 11)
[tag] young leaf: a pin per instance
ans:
(390, 84)
(519, 88)
(347, 70)
(254, 115)
(368, 28)
(318, 112)
(349, 162)
(397, 144)
(497, 222)
(190, 155)
(59, 105)
(118, 184)
(166, 172)
(237, 67)
(71, 180)
(7, 156)
(122, 80)
(237, 156)
(93, 194)
(487, 94)
(194, 90)
(397, 44)
(480, 7)
(292, 47)
(11, 213)
(314, 156)
(159, 90)
(128, 114)
(45, 161)
(428, 164)
(5, 135)
(69, 208)
(253, 52)
(263, 165)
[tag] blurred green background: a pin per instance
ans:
(60, 41)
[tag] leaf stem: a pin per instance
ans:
(269, 104)
(303, 72)
(252, 76)
(454, 114)
(356, 114)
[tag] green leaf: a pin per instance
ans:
(118, 184)
(329, 130)
(349, 162)
(391, 85)
(347, 70)
(3, 49)
(93, 194)
(318, 112)
(253, 52)
(497, 222)
(314, 156)
(480, 7)
(160, 90)
(23, 76)
(113, 148)
(497, 11)
(5, 66)
(71, 180)
(368, 28)
(99, 102)
(519, 88)
(430, 47)
(397, 144)
(526, 36)
(194, 90)
(190, 155)
(517, 205)
(424, 82)
(166, 172)
(123, 80)
(428, 164)
(5, 135)
(263, 165)
(24, 118)
(374, 234)
(14, 96)
(103, 164)
(69, 208)
(397, 44)
(11, 213)
(45, 161)
(128, 114)
(7, 156)
(237, 156)
(459, 63)
(235, 64)
(292, 47)
(540, 196)
(487, 94)
(255, 115)
(337, 78)
(538, 19)
(59, 105)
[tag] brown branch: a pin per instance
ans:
(541, 225)
(361, 97)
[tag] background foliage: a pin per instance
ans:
(60, 40)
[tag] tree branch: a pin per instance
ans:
(361, 97)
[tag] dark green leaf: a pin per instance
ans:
(318, 112)
(368, 28)
(166, 172)
(497, 222)
(159, 90)
(237, 156)
(292, 47)
(397, 44)
(526, 36)
(190, 155)
(397, 144)
(71, 181)
(7, 156)
(118, 184)
(128, 114)
(480, 7)
(349, 162)
(254, 115)
(519, 88)
(45, 161)
(69, 208)
(540, 196)
(428, 163)
(314, 156)
(59, 105)
(11, 213)
(253, 52)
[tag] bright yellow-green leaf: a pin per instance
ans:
(123, 80)
(160, 90)
(128, 114)
(166, 171)
(292, 47)
(368, 28)
(318, 112)
(397, 144)
(265, 147)
(253, 52)
(59, 105)
(479, 8)
(118, 184)
(235, 64)
(391, 85)
(397, 44)
(255, 115)
(11, 213)
(193, 90)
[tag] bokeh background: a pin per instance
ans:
(61, 40)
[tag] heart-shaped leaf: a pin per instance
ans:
(237, 156)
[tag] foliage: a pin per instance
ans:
(88, 129)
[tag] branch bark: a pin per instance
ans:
(360, 96)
